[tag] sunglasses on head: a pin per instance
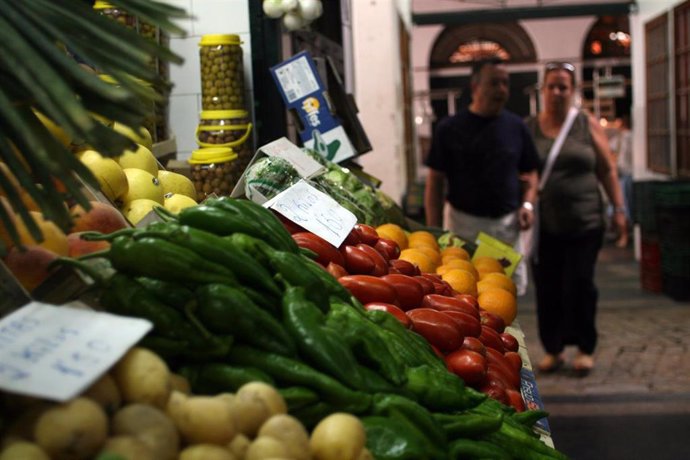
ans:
(560, 66)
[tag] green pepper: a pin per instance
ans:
(173, 294)
(227, 310)
(469, 423)
(189, 350)
(331, 285)
(397, 406)
(440, 390)
(158, 258)
(214, 378)
(470, 449)
(216, 249)
(521, 443)
(297, 397)
(529, 417)
(366, 339)
(310, 415)
(317, 342)
(270, 228)
(292, 269)
(389, 438)
(294, 372)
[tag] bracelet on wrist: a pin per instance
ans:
(527, 205)
(619, 209)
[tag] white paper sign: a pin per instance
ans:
(305, 165)
(57, 352)
(315, 211)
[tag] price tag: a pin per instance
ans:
(315, 211)
(57, 352)
(305, 165)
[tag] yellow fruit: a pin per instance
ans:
(54, 239)
(487, 264)
(136, 210)
(57, 132)
(142, 185)
(393, 232)
(464, 265)
(422, 235)
(418, 258)
(141, 158)
(484, 286)
(175, 202)
(461, 281)
(110, 176)
(431, 253)
(455, 251)
(499, 280)
(500, 302)
(176, 183)
(140, 136)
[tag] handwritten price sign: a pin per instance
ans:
(57, 352)
(315, 211)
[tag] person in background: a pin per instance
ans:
(620, 143)
(476, 162)
(571, 222)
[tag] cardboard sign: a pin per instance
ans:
(57, 352)
(304, 95)
(305, 165)
(315, 211)
(506, 255)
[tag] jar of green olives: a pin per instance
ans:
(222, 72)
(214, 171)
(116, 13)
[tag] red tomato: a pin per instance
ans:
(427, 285)
(432, 276)
(289, 225)
(351, 239)
(405, 267)
(509, 342)
(408, 289)
(380, 263)
(492, 320)
(496, 373)
(490, 338)
(336, 270)
(357, 261)
(326, 251)
(473, 343)
(469, 326)
(367, 234)
(388, 248)
(468, 365)
(515, 399)
(436, 328)
(367, 288)
(443, 303)
(438, 353)
(511, 375)
(495, 390)
(392, 309)
(514, 360)
(469, 298)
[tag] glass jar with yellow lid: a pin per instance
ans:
(214, 171)
(116, 13)
(222, 72)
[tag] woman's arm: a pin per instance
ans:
(433, 197)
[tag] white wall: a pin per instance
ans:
(378, 90)
(209, 17)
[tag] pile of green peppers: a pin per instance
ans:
(233, 299)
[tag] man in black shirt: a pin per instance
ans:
(482, 164)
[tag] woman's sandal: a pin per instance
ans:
(583, 364)
(550, 363)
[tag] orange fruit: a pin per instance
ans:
(499, 302)
(431, 253)
(455, 251)
(393, 232)
(499, 280)
(464, 265)
(418, 258)
(419, 236)
(485, 286)
(54, 239)
(487, 264)
(461, 280)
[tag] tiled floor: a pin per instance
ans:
(636, 402)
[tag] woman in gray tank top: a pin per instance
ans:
(571, 223)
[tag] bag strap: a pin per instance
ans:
(556, 147)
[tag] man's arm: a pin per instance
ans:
(433, 197)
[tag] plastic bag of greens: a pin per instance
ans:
(267, 177)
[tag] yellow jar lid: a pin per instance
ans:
(102, 5)
(211, 155)
(223, 114)
(219, 39)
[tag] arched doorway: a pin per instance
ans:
(458, 46)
